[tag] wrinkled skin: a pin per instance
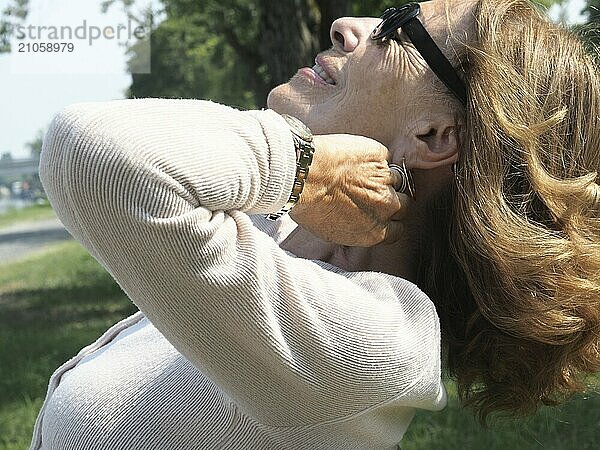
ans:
(383, 91)
(351, 188)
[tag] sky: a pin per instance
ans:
(33, 87)
(573, 10)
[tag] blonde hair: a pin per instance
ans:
(516, 274)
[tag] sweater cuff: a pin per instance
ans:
(282, 162)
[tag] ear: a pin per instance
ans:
(432, 144)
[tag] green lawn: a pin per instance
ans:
(27, 214)
(57, 301)
(575, 425)
(52, 304)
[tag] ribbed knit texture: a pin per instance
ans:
(239, 344)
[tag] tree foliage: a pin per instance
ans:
(235, 51)
(35, 146)
(231, 51)
(12, 15)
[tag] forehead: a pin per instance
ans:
(457, 13)
(443, 18)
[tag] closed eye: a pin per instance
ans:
(400, 37)
(395, 36)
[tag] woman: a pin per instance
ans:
(260, 334)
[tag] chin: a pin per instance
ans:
(284, 100)
(273, 98)
(290, 98)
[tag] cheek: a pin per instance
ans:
(377, 78)
(376, 104)
(373, 93)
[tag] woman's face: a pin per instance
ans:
(374, 89)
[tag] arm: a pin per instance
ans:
(158, 191)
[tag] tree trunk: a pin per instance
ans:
(289, 37)
(294, 31)
(330, 11)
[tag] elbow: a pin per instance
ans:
(61, 154)
(100, 171)
(74, 168)
(62, 142)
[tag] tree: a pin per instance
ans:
(592, 11)
(209, 49)
(236, 51)
(204, 50)
(35, 146)
(231, 51)
(11, 16)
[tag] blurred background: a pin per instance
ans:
(55, 298)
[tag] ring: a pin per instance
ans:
(407, 185)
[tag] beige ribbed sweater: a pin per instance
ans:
(239, 344)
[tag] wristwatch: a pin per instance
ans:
(305, 149)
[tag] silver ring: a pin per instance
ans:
(406, 181)
(398, 169)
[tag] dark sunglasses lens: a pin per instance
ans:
(387, 13)
(394, 18)
(389, 19)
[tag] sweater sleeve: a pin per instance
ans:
(159, 192)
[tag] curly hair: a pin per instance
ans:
(515, 271)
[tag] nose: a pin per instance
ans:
(349, 32)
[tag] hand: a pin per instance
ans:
(349, 196)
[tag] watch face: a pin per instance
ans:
(298, 128)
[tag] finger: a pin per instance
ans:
(403, 180)
(393, 232)
(395, 177)
(403, 201)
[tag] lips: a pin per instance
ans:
(322, 74)
(324, 70)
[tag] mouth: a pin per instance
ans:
(323, 70)
(320, 72)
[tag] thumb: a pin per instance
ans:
(403, 201)
(393, 232)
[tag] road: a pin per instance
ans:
(21, 239)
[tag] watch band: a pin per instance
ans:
(305, 149)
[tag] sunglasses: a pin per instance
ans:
(405, 17)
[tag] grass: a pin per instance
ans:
(26, 214)
(57, 301)
(52, 304)
(574, 425)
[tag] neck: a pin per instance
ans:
(399, 258)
